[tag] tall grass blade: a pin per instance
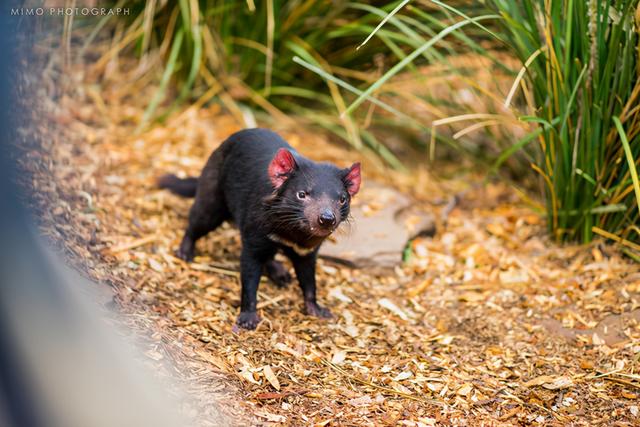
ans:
(381, 24)
(630, 160)
(164, 82)
(402, 64)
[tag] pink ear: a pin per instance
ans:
(352, 179)
(281, 166)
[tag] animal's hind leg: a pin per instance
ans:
(205, 215)
(209, 209)
(277, 272)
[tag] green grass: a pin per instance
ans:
(579, 94)
(331, 64)
(583, 87)
(241, 53)
(246, 49)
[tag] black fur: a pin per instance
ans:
(182, 187)
(242, 181)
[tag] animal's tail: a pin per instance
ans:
(182, 187)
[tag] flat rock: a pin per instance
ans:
(610, 329)
(384, 220)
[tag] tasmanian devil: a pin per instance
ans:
(278, 199)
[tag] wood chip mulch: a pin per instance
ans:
(487, 323)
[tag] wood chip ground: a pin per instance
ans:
(487, 323)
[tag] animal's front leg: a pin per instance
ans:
(250, 270)
(305, 267)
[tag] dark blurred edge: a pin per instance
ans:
(15, 406)
(59, 364)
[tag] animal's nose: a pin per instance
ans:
(327, 218)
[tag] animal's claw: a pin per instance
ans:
(247, 320)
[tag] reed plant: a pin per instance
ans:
(577, 94)
(581, 85)
(240, 53)
(333, 64)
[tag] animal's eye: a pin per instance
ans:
(343, 199)
(301, 194)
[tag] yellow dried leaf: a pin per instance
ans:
(271, 377)
(465, 390)
(471, 296)
(421, 287)
(538, 381)
(216, 361)
(155, 265)
(286, 349)
(243, 360)
(586, 364)
(361, 401)
(513, 276)
(274, 418)
(558, 383)
(434, 387)
(403, 376)
(392, 307)
(596, 340)
(628, 395)
(339, 295)
(352, 330)
(496, 229)
(248, 375)
(338, 357)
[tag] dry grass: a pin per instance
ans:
(488, 323)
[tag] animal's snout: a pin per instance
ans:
(327, 218)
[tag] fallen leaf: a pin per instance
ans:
(337, 294)
(444, 339)
(421, 287)
(286, 349)
(330, 270)
(216, 361)
(246, 374)
(558, 383)
(272, 395)
(360, 401)
(352, 330)
(389, 305)
(426, 422)
(586, 364)
(471, 296)
(338, 357)
(271, 377)
(155, 265)
(434, 387)
(403, 376)
(243, 360)
(274, 418)
(465, 390)
(596, 340)
(511, 277)
(538, 381)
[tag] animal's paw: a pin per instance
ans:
(247, 320)
(185, 252)
(278, 274)
(312, 308)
